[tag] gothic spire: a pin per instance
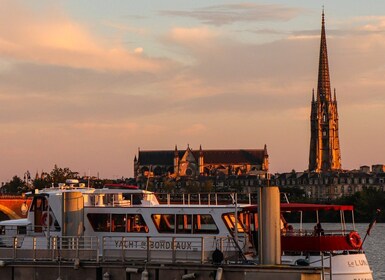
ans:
(323, 89)
(325, 154)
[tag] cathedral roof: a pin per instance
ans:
(156, 157)
(246, 156)
(233, 156)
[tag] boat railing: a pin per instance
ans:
(211, 198)
(120, 199)
(121, 249)
(308, 232)
(168, 249)
(49, 248)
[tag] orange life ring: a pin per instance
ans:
(354, 239)
(43, 219)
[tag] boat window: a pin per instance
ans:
(117, 222)
(136, 223)
(165, 223)
(229, 220)
(39, 204)
(185, 224)
(100, 222)
(205, 224)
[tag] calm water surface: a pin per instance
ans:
(374, 247)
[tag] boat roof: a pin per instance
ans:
(58, 190)
(120, 186)
(297, 207)
(16, 222)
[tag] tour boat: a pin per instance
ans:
(127, 223)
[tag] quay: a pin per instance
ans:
(91, 270)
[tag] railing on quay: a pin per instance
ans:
(49, 248)
(168, 249)
(118, 248)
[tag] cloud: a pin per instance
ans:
(232, 13)
(194, 129)
(51, 37)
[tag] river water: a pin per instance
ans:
(374, 247)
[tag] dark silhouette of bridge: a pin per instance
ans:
(14, 207)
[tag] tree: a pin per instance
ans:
(60, 175)
(15, 186)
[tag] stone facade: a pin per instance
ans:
(223, 168)
(332, 185)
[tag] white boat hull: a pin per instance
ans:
(342, 266)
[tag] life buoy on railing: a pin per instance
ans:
(44, 218)
(354, 239)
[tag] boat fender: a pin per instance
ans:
(189, 276)
(144, 275)
(106, 276)
(354, 239)
(217, 256)
(44, 218)
(219, 273)
(302, 262)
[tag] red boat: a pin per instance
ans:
(337, 247)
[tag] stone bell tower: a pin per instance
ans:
(325, 154)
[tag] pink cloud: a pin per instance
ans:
(54, 38)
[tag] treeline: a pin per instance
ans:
(58, 175)
(365, 204)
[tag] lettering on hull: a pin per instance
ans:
(357, 263)
(157, 245)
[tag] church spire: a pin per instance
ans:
(323, 89)
(325, 154)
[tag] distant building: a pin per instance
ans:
(225, 168)
(332, 185)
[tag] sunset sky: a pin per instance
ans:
(84, 84)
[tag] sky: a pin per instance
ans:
(85, 84)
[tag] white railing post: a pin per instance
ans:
(202, 249)
(34, 248)
(14, 247)
(103, 242)
(97, 250)
(123, 251)
(148, 249)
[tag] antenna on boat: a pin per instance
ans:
(89, 175)
(372, 223)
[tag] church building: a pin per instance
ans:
(199, 164)
(325, 154)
